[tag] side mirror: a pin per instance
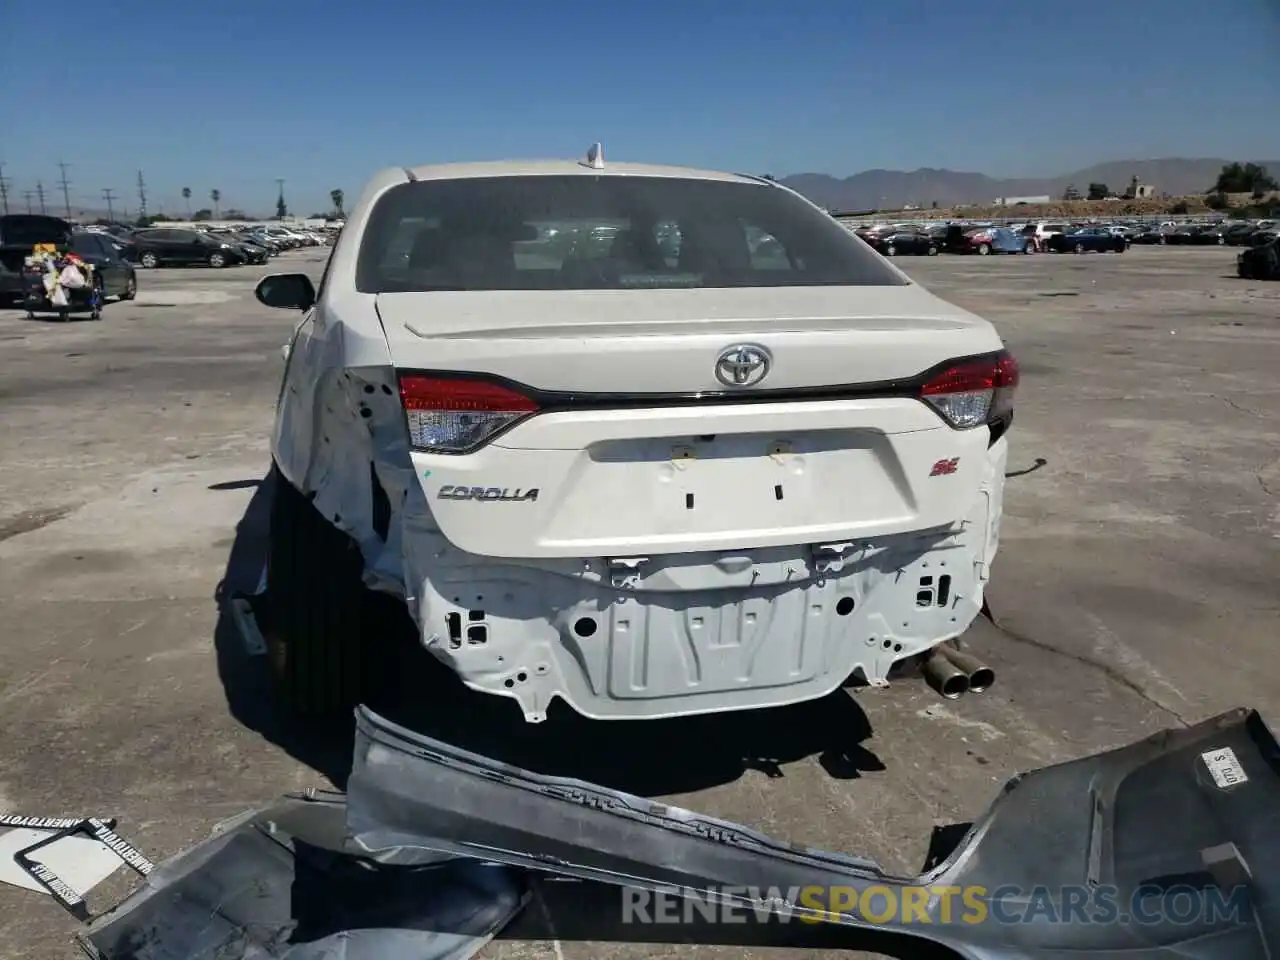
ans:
(286, 291)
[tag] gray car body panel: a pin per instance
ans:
(417, 862)
(276, 884)
(1146, 816)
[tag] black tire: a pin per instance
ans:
(890, 250)
(149, 260)
(218, 261)
(316, 602)
(984, 249)
(130, 288)
(99, 294)
(1079, 248)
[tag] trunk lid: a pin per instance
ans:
(639, 449)
(667, 341)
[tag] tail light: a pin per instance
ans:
(970, 393)
(457, 415)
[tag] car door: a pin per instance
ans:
(188, 246)
(164, 245)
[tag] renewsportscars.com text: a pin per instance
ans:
(936, 904)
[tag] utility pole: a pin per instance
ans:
(4, 190)
(142, 196)
(65, 183)
(281, 209)
(29, 194)
(109, 195)
(40, 194)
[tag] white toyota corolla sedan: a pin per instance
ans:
(651, 440)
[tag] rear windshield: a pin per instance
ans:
(605, 233)
(27, 230)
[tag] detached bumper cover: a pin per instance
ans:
(276, 885)
(1163, 849)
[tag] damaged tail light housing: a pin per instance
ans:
(456, 414)
(971, 393)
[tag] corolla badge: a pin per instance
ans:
(743, 365)
(487, 494)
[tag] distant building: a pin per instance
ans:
(1020, 201)
(1140, 191)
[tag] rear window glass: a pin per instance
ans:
(21, 230)
(605, 232)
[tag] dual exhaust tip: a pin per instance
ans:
(953, 673)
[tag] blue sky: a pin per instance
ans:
(323, 92)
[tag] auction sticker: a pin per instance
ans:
(1223, 766)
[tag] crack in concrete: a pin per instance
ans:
(1111, 672)
(1235, 406)
(31, 520)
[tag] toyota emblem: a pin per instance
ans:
(743, 365)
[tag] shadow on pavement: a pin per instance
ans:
(651, 758)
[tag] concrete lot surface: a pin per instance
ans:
(1136, 585)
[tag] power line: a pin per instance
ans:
(109, 195)
(142, 196)
(65, 183)
(40, 194)
(4, 190)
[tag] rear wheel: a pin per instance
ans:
(217, 260)
(890, 250)
(96, 298)
(149, 260)
(933, 251)
(315, 598)
(1079, 248)
(130, 287)
(984, 249)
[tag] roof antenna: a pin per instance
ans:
(595, 157)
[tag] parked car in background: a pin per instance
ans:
(253, 252)
(247, 239)
(123, 245)
(891, 241)
(1147, 235)
(1195, 235)
(264, 239)
(1238, 234)
(1261, 262)
(118, 276)
(988, 240)
(1087, 240)
(177, 247)
(1045, 229)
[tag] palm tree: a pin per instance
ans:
(336, 197)
(186, 195)
(215, 196)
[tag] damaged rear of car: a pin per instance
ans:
(651, 441)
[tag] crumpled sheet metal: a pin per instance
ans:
(1149, 815)
(276, 885)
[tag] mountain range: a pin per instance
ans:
(894, 189)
